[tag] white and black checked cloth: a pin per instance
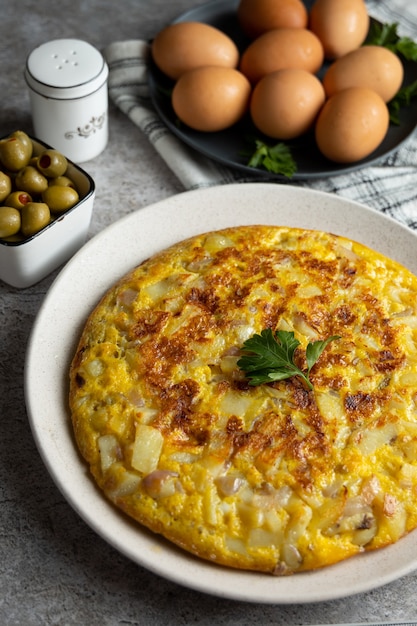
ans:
(390, 186)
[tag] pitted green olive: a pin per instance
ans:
(52, 163)
(10, 221)
(35, 216)
(29, 179)
(5, 186)
(35, 188)
(18, 199)
(14, 153)
(60, 199)
(24, 138)
(62, 181)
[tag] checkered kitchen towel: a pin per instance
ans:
(390, 186)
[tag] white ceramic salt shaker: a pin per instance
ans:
(67, 80)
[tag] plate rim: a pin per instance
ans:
(255, 588)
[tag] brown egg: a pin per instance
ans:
(351, 125)
(285, 104)
(258, 16)
(341, 25)
(211, 98)
(280, 49)
(186, 45)
(375, 67)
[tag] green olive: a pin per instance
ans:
(60, 199)
(52, 163)
(35, 216)
(14, 153)
(5, 186)
(18, 199)
(17, 238)
(9, 221)
(62, 181)
(24, 138)
(29, 179)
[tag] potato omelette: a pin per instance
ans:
(279, 477)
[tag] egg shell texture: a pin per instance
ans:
(259, 16)
(186, 45)
(341, 25)
(280, 49)
(351, 125)
(210, 99)
(375, 67)
(285, 104)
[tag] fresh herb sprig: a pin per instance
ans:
(270, 357)
(402, 98)
(387, 35)
(277, 159)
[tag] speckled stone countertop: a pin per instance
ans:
(54, 570)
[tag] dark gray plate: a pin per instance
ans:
(228, 147)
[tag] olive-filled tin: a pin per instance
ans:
(67, 80)
(26, 261)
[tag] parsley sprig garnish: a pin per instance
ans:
(277, 158)
(401, 99)
(270, 357)
(387, 35)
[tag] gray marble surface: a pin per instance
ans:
(54, 570)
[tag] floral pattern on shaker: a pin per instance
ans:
(96, 123)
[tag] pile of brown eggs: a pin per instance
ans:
(276, 77)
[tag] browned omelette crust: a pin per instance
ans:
(275, 478)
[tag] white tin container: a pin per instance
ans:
(67, 80)
(24, 263)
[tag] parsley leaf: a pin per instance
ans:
(271, 357)
(402, 98)
(277, 159)
(387, 35)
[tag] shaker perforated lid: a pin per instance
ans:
(65, 68)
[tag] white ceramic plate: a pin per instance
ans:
(60, 320)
